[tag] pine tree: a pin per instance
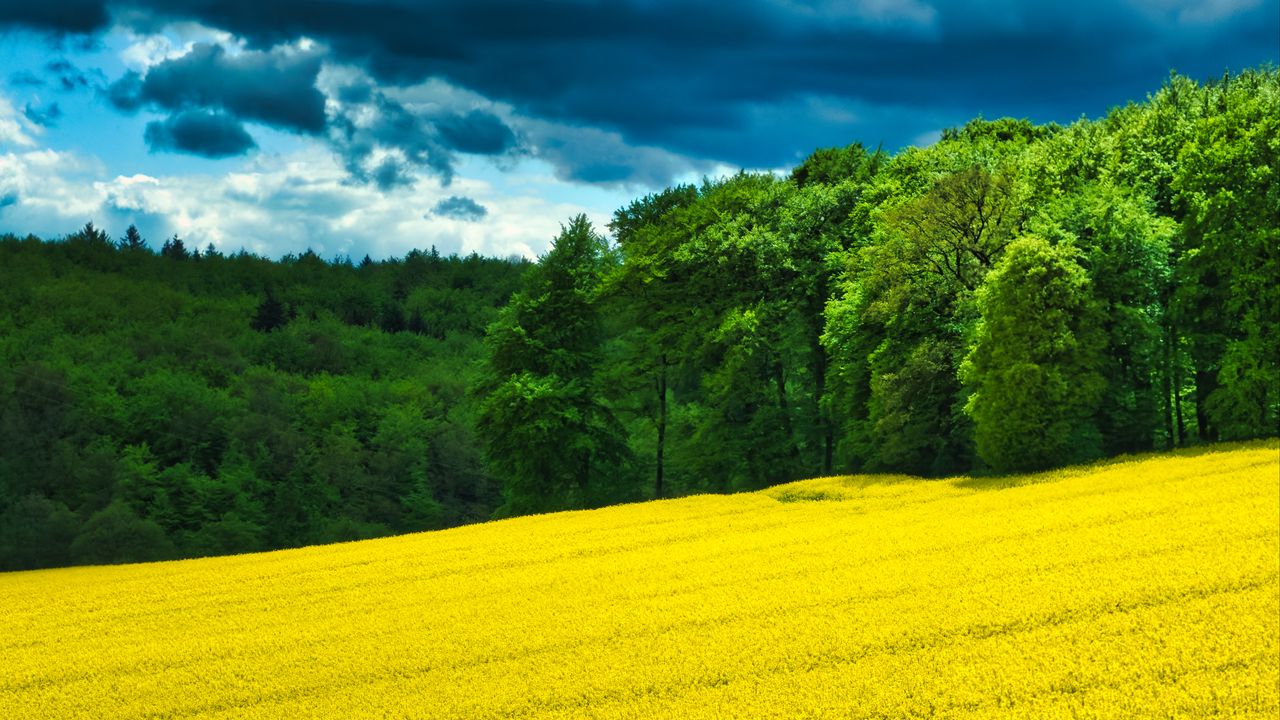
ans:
(132, 239)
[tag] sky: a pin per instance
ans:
(354, 127)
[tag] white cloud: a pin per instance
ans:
(14, 127)
(145, 50)
(275, 205)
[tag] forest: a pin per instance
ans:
(1014, 297)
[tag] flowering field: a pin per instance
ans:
(1147, 588)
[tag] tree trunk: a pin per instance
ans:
(826, 428)
(1177, 405)
(662, 425)
(824, 417)
(1206, 383)
(1168, 388)
(584, 479)
(780, 382)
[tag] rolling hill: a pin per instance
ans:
(1141, 587)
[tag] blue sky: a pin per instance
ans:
(378, 126)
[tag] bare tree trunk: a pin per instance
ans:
(784, 405)
(662, 426)
(1171, 440)
(1206, 383)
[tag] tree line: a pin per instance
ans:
(1013, 297)
(179, 403)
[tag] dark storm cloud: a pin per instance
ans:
(199, 132)
(385, 143)
(476, 132)
(42, 115)
(390, 143)
(669, 73)
(66, 16)
(460, 208)
(275, 87)
(708, 79)
(126, 93)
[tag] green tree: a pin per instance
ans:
(1034, 366)
(549, 435)
(35, 532)
(1227, 183)
(647, 286)
(132, 239)
(116, 534)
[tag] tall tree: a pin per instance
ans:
(549, 434)
(132, 239)
(647, 285)
(1227, 183)
(1034, 366)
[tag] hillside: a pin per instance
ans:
(1012, 298)
(1142, 587)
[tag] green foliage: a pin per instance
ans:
(1035, 359)
(155, 389)
(1012, 297)
(36, 532)
(547, 431)
(1227, 182)
(115, 534)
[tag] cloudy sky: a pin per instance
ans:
(378, 126)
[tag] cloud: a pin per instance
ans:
(684, 78)
(275, 87)
(42, 115)
(65, 16)
(25, 78)
(670, 74)
(277, 204)
(385, 143)
(590, 155)
(459, 208)
(199, 132)
(127, 93)
(69, 78)
(476, 132)
(12, 131)
(390, 137)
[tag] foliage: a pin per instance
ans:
(868, 311)
(546, 429)
(156, 409)
(1035, 359)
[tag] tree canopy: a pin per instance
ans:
(1011, 297)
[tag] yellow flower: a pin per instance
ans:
(1145, 587)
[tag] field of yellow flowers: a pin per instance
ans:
(1141, 588)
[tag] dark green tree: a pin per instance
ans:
(116, 534)
(270, 315)
(132, 239)
(175, 249)
(549, 436)
(1034, 366)
(1227, 302)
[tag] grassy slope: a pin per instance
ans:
(1148, 587)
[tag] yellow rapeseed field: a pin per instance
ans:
(1138, 588)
